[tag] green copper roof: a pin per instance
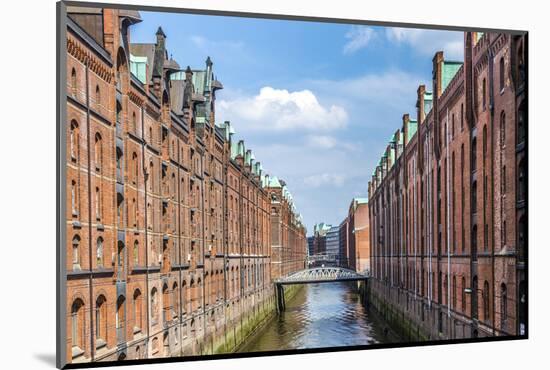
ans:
(361, 200)
(177, 76)
(428, 102)
(449, 71)
(138, 67)
(413, 126)
(274, 182)
(234, 149)
(240, 148)
(199, 78)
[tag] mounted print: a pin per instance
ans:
(236, 185)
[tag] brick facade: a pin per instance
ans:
(447, 200)
(171, 224)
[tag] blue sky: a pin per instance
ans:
(316, 102)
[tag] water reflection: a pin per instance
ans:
(321, 315)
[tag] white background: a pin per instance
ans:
(27, 162)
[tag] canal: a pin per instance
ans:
(318, 316)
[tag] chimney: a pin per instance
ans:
(420, 114)
(437, 74)
(405, 129)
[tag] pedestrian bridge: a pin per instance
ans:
(321, 275)
(314, 275)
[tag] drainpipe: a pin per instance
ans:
(92, 347)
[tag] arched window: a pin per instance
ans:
(137, 311)
(154, 305)
(77, 324)
(119, 160)
(120, 210)
(134, 213)
(74, 201)
(522, 123)
(501, 73)
(136, 253)
(175, 303)
(486, 301)
(134, 122)
(522, 181)
(135, 168)
(118, 113)
(97, 96)
(522, 238)
(120, 320)
(120, 257)
(183, 297)
(99, 252)
(503, 306)
(74, 141)
(151, 176)
(454, 293)
(101, 320)
(73, 83)
(97, 204)
(76, 252)
(98, 152)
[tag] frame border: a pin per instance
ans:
(61, 227)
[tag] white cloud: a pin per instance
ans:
(329, 142)
(324, 179)
(428, 42)
(358, 38)
(281, 110)
(321, 141)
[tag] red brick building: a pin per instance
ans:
(354, 237)
(171, 243)
(447, 201)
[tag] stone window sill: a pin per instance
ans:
(100, 343)
(77, 352)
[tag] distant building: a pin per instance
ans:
(343, 236)
(358, 238)
(354, 250)
(333, 243)
(319, 238)
(310, 250)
